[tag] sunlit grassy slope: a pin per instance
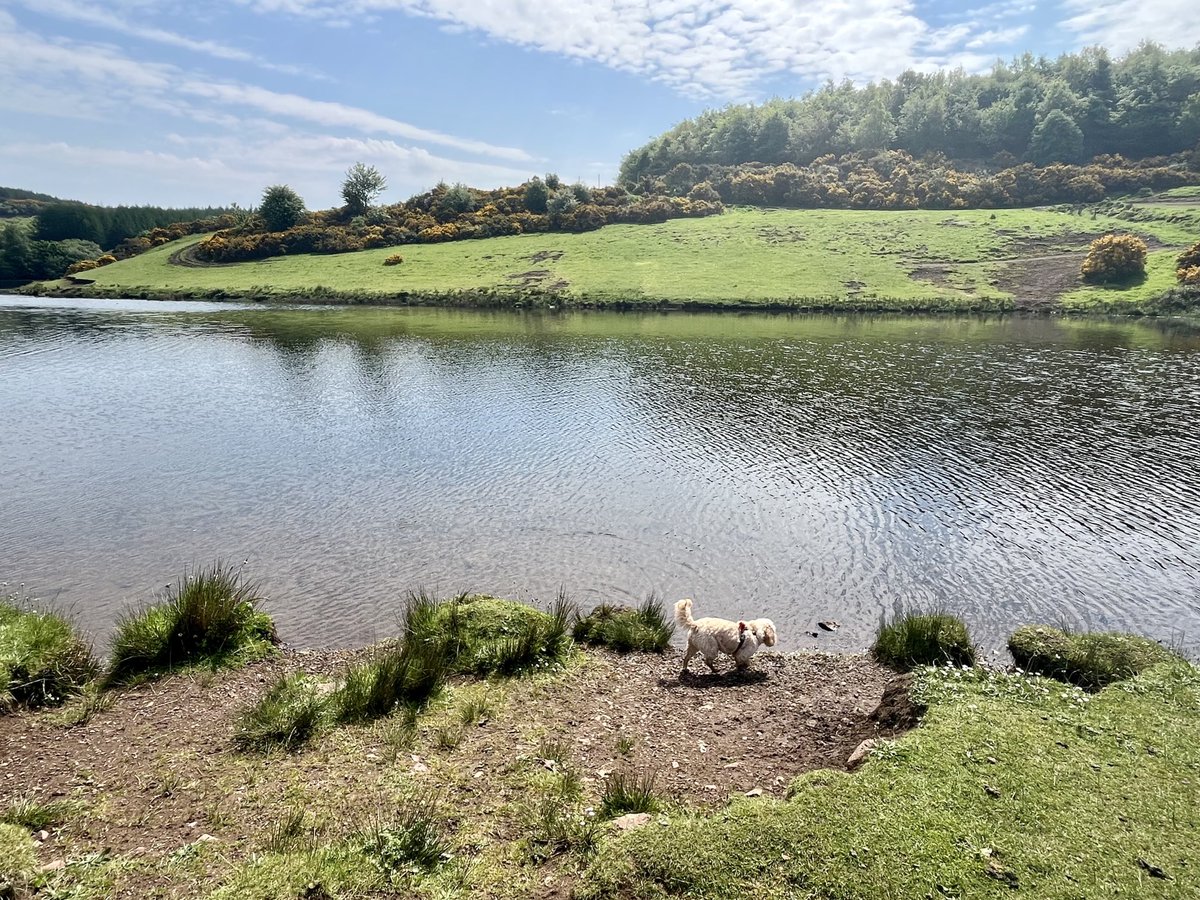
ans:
(746, 256)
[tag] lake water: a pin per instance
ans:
(806, 468)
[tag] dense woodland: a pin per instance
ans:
(1144, 104)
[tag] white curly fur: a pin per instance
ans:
(710, 636)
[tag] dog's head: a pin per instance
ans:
(764, 630)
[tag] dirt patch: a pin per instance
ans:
(542, 279)
(546, 256)
(158, 770)
(782, 235)
(1036, 284)
(708, 736)
(933, 274)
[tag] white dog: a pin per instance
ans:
(710, 636)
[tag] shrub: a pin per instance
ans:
(286, 716)
(1090, 660)
(646, 629)
(1187, 266)
(1114, 258)
(628, 793)
(281, 208)
(42, 660)
(394, 260)
(536, 195)
(82, 265)
(1189, 257)
(209, 615)
(913, 639)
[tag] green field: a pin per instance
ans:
(746, 257)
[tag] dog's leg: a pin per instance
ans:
(687, 658)
(712, 663)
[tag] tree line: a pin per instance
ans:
(1143, 104)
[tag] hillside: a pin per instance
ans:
(832, 259)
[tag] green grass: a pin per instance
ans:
(1010, 781)
(911, 639)
(286, 716)
(647, 629)
(42, 660)
(34, 815)
(628, 792)
(389, 857)
(827, 258)
(17, 860)
(469, 634)
(211, 615)
(1091, 659)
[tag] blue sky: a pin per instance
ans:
(206, 103)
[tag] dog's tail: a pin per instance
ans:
(683, 614)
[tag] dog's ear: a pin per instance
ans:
(770, 634)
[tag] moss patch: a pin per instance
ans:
(1092, 659)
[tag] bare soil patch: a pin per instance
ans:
(158, 770)
(708, 736)
(1037, 283)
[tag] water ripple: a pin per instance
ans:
(803, 468)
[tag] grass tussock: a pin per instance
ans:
(42, 660)
(286, 716)
(628, 792)
(473, 635)
(468, 634)
(210, 615)
(1016, 786)
(1090, 659)
(555, 819)
(408, 672)
(410, 841)
(911, 639)
(499, 637)
(647, 629)
(35, 815)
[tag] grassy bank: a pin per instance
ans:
(834, 259)
(1012, 786)
(505, 776)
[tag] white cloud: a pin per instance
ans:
(92, 78)
(338, 115)
(706, 48)
(91, 15)
(1122, 24)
